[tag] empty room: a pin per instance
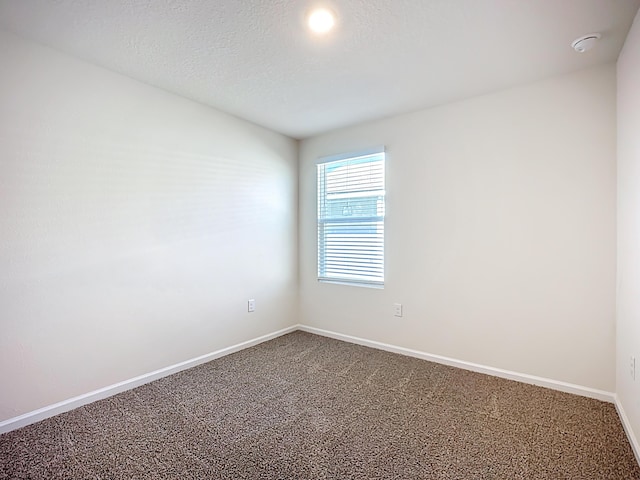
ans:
(341, 239)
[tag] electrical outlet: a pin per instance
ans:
(251, 305)
(632, 367)
(397, 309)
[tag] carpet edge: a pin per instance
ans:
(566, 387)
(65, 405)
(626, 424)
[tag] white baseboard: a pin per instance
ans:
(498, 372)
(80, 400)
(633, 440)
(75, 402)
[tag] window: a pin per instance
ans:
(351, 218)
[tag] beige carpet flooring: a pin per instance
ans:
(307, 407)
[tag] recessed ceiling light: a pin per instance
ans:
(585, 42)
(321, 20)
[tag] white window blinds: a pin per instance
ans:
(351, 219)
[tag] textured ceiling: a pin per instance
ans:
(255, 58)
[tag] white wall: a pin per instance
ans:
(628, 319)
(500, 231)
(134, 225)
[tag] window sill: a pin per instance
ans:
(378, 286)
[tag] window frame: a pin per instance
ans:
(321, 222)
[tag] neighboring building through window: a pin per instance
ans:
(351, 195)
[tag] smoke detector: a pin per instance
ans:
(585, 42)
